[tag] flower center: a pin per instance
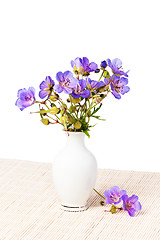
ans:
(128, 205)
(28, 98)
(115, 198)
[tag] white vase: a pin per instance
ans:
(74, 173)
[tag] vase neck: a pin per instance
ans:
(75, 138)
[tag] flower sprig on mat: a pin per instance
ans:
(74, 98)
(114, 196)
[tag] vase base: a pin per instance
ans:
(74, 209)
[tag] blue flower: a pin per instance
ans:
(118, 86)
(66, 82)
(131, 204)
(83, 66)
(46, 87)
(25, 98)
(91, 84)
(104, 64)
(114, 195)
(80, 90)
(116, 66)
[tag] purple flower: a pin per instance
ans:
(104, 64)
(116, 66)
(118, 86)
(131, 204)
(80, 91)
(82, 66)
(25, 98)
(91, 84)
(46, 87)
(114, 195)
(66, 82)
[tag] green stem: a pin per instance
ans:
(90, 107)
(98, 193)
(101, 76)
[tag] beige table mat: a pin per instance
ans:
(29, 208)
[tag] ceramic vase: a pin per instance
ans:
(74, 173)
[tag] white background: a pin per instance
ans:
(40, 38)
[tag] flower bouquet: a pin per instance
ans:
(72, 101)
(84, 95)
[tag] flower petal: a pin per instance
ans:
(117, 62)
(58, 88)
(59, 77)
(82, 84)
(43, 94)
(67, 90)
(43, 85)
(32, 90)
(108, 201)
(137, 206)
(125, 89)
(133, 198)
(93, 66)
(85, 61)
(107, 193)
(115, 190)
(75, 95)
(73, 82)
(85, 93)
(106, 81)
(123, 192)
(116, 95)
(131, 212)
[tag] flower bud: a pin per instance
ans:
(75, 100)
(53, 98)
(72, 109)
(97, 70)
(96, 99)
(62, 112)
(63, 120)
(106, 74)
(53, 105)
(77, 125)
(104, 64)
(86, 74)
(101, 89)
(113, 209)
(45, 121)
(54, 110)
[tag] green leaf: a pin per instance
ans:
(96, 109)
(98, 117)
(87, 133)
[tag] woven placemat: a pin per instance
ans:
(29, 208)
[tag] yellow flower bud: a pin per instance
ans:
(75, 100)
(63, 120)
(45, 121)
(72, 109)
(77, 125)
(53, 98)
(54, 110)
(106, 74)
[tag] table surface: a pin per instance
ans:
(29, 207)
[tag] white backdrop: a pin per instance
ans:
(40, 38)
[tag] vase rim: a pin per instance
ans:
(76, 133)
